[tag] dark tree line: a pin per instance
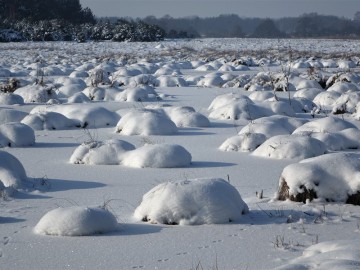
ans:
(37, 10)
(66, 20)
(310, 25)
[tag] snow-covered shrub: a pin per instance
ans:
(157, 156)
(192, 202)
(331, 177)
(309, 93)
(326, 124)
(36, 93)
(101, 153)
(273, 125)
(76, 221)
(346, 103)
(137, 94)
(49, 121)
(343, 87)
(336, 254)
(10, 99)
(16, 135)
(290, 147)
(146, 122)
(78, 98)
(12, 172)
(186, 117)
(68, 90)
(326, 99)
(245, 142)
(8, 115)
(169, 81)
(89, 115)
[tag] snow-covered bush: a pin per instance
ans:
(109, 152)
(137, 94)
(89, 115)
(8, 115)
(12, 172)
(76, 221)
(331, 177)
(49, 121)
(192, 202)
(157, 156)
(245, 142)
(326, 124)
(290, 147)
(16, 135)
(273, 125)
(10, 99)
(146, 122)
(336, 254)
(186, 117)
(36, 93)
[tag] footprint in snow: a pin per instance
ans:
(163, 260)
(137, 267)
(6, 240)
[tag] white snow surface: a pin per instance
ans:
(192, 202)
(272, 234)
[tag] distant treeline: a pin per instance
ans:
(66, 20)
(310, 25)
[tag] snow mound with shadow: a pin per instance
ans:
(246, 142)
(290, 147)
(331, 177)
(16, 135)
(101, 153)
(12, 173)
(146, 122)
(338, 254)
(192, 202)
(76, 221)
(326, 124)
(158, 156)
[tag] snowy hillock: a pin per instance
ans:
(16, 135)
(245, 142)
(325, 124)
(339, 254)
(49, 121)
(89, 115)
(273, 125)
(146, 122)
(10, 99)
(158, 156)
(76, 221)
(8, 115)
(101, 153)
(36, 93)
(192, 202)
(290, 147)
(12, 173)
(331, 177)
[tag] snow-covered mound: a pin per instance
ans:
(146, 122)
(109, 152)
(326, 124)
(12, 172)
(8, 115)
(192, 202)
(16, 135)
(290, 147)
(10, 99)
(170, 81)
(337, 141)
(245, 142)
(273, 125)
(336, 254)
(157, 156)
(186, 117)
(143, 93)
(309, 93)
(89, 115)
(331, 177)
(346, 103)
(36, 93)
(76, 221)
(231, 106)
(49, 121)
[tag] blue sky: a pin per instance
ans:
(206, 8)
